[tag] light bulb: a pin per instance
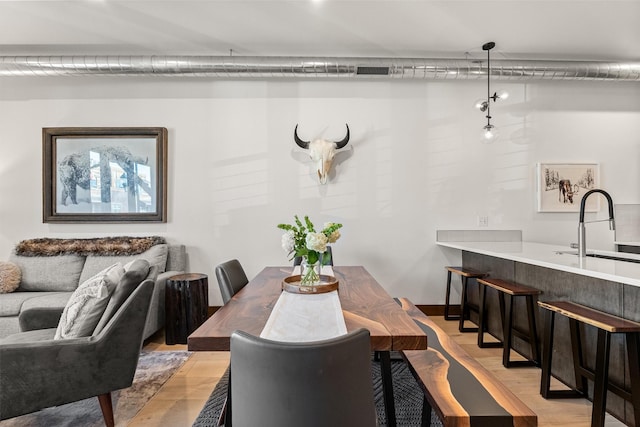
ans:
(489, 134)
(502, 94)
(481, 104)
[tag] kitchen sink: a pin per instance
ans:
(615, 258)
(604, 256)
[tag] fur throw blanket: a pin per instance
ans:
(109, 246)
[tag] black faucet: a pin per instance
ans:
(582, 243)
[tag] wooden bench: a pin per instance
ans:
(460, 390)
(606, 325)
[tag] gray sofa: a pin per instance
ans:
(48, 282)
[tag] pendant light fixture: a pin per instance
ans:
(489, 132)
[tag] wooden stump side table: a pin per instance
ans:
(186, 305)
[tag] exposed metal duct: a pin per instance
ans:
(274, 67)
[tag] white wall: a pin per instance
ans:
(414, 164)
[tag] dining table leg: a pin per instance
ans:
(387, 387)
(227, 406)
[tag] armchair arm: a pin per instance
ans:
(39, 318)
(59, 368)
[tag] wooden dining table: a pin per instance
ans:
(365, 304)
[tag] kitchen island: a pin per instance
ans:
(560, 258)
(612, 286)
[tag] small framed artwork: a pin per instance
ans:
(104, 174)
(561, 186)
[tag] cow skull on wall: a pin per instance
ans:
(322, 152)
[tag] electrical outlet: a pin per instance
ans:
(483, 221)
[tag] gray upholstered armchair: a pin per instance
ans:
(37, 371)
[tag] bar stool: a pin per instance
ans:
(465, 307)
(511, 290)
(606, 324)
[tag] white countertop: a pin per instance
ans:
(627, 243)
(545, 255)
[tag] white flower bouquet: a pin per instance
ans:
(301, 239)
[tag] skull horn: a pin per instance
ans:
(345, 141)
(301, 143)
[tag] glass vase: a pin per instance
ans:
(309, 273)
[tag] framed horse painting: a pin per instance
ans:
(561, 186)
(104, 174)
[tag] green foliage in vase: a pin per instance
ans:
(301, 239)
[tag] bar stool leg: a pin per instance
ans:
(463, 305)
(482, 316)
(464, 308)
(633, 352)
(601, 379)
(547, 352)
(447, 305)
(507, 324)
(533, 331)
(578, 361)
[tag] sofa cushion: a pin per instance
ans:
(49, 273)
(29, 336)
(157, 256)
(15, 302)
(177, 258)
(10, 276)
(135, 272)
(85, 307)
(46, 300)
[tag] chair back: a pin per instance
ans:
(321, 383)
(231, 278)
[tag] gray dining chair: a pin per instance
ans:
(297, 260)
(231, 278)
(321, 383)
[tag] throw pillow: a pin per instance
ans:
(10, 275)
(50, 273)
(86, 305)
(157, 255)
(135, 272)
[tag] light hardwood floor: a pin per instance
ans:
(180, 400)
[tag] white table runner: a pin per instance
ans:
(305, 317)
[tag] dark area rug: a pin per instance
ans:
(406, 392)
(154, 369)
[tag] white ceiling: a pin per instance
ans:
(522, 29)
